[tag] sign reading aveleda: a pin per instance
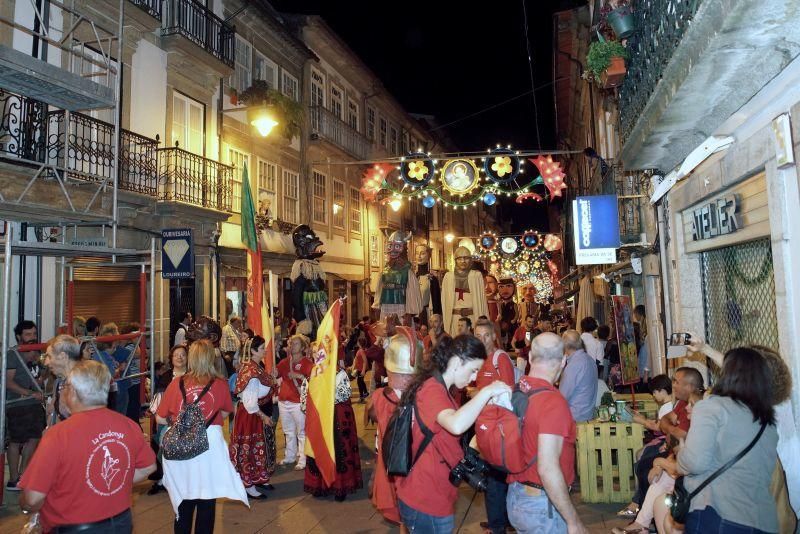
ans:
(596, 229)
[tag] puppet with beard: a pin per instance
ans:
(309, 296)
(509, 316)
(398, 289)
(463, 292)
(492, 300)
(529, 307)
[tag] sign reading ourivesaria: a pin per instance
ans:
(177, 257)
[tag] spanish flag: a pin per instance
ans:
(321, 392)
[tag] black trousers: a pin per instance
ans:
(203, 524)
(643, 467)
(363, 391)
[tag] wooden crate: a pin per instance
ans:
(605, 460)
(645, 403)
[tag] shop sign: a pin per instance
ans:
(97, 242)
(716, 218)
(177, 257)
(596, 229)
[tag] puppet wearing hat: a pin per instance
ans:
(398, 288)
(309, 297)
(463, 293)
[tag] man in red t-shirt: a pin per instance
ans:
(291, 372)
(497, 366)
(84, 469)
(548, 434)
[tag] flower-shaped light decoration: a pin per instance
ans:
(523, 268)
(552, 243)
(502, 165)
(551, 173)
(417, 170)
(372, 181)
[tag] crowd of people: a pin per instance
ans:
(221, 376)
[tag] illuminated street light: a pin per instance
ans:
(263, 118)
(449, 237)
(396, 204)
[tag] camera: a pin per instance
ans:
(471, 469)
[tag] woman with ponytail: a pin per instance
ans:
(426, 498)
(251, 450)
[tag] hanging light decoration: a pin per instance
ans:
(552, 175)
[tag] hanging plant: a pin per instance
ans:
(290, 112)
(606, 62)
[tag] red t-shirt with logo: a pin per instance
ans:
(488, 373)
(85, 465)
(683, 418)
(548, 413)
(216, 400)
(288, 390)
(427, 487)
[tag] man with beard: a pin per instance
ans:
(492, 300)
(463, 293)
(398, 289)
(509, 316)
(309, 297)
(428, 284)
(435, 334)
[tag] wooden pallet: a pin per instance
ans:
(605, 460)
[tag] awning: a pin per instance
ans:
(693, 160)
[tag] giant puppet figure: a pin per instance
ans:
(492, 298)
(509, 315)
(207, 328)
(398, 288)
(309, 297)
(428, 284)
(463, 293)
(529, 307)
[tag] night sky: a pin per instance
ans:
(455, 59)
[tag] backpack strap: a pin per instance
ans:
(520, 413)
(387, 395)
(426, 432)
(197, 400)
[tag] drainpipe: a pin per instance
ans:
(665, 290)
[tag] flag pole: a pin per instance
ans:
(272, 316)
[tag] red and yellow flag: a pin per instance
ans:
(321, 393)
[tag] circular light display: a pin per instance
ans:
(428, 201)
(460, 176)
(501, 165)
(509, 245)
(530, 240)
(488, 242)
(523, 268)
(417, 169)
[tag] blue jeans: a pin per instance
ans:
(530, 511)
(119, 524)
(708, 521)
(416, 521)
(495, 500)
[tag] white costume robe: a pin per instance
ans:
(477, 296)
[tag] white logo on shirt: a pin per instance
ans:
(108, 464)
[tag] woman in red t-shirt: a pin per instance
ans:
(426, 498)
(195, 484)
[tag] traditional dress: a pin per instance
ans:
(345, 440)
(463, 295)
(398, 290)
(248, 449)
(384, 497)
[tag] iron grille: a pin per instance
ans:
(739, 296)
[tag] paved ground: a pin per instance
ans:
(290, 510)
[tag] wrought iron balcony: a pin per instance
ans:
(629, 188)
(660, 26)
(151, 7)
(201, 26)
(193, 179)
(78, 144)
(326, 125)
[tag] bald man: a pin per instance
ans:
(579, 379)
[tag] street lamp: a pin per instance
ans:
(449, 237)
(396, 204)
(263, 118)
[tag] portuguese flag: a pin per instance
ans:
(249, 236)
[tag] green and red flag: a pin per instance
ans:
(255, 285)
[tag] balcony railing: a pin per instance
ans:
(629, 188)
(660, 26)
(198, 24)
(78, 144)
(193, 179)
(328, 126)
(152, 7)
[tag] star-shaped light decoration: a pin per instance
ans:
(502, 165)
(552, 243)
(552, 175)
(417, 170)
(372, 180)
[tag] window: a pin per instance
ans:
(266, 70)
(289, 86)
(370, 123)
(267, 188)
(320, 203)
(355, 210)
(393, 140)
(338, 204)
(405, 146)
(382, 132)
(188, 123)
(352, 114)
(242, 76)
(317, 88)
(336, 101)
(414, 145)
(238, 160)
(291, 196)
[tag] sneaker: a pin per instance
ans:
(12, 485)
(286, 461)
(300, 466)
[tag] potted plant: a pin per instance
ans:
(606, 62)
(289, 112)
(619, 16)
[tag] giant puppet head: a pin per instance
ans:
(530, 293)
(397, 247)
(205, 328)
(423, 254)
(463, 259)
(490, 286)
(506, 287)
(306, 243)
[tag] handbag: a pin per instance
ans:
(680, 500)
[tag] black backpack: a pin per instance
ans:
(187, 437)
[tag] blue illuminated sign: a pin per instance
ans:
(597, 222)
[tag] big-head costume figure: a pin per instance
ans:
(463, 293)
(428, 284)
(509, 315)
(398, 288)
(309, 297)
(492, 297)
(529, 307)
(207, 328)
